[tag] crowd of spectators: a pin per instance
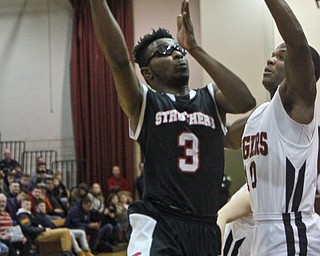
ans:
(84, 219)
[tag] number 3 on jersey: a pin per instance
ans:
(253, 176)
(190, 161)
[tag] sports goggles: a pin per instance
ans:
(166, 50)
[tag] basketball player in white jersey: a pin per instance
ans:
(280, 146)
(237, 234)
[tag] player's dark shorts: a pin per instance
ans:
(157, 230)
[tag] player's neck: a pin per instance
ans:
(175, 90)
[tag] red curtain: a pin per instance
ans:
(100, 127)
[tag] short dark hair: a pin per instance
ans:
(24, 190)
(316, 62)
(84, 187)
(145, 41)
(86, 200)
(26, 199)
(49, 179)
(37, 186)
(40, 201)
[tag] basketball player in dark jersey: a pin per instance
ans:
(181, 133)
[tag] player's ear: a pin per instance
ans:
(146, 73)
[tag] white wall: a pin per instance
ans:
(34, 74)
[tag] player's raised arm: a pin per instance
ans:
(233, 95)
(298, 90)
(112, 43)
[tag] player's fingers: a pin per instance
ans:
(179, 22)
(183, 6)
(186, 21)
(186, 9)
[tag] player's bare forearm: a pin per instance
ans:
(234, 96)
(236, 208)
(287, 23)
(113, 45)
(109, 34)
(234, 135)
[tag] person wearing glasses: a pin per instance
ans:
(181, 133)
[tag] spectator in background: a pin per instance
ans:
(40, 165)
(117, 182)
(23, 245)
(78, 193)
(3, 186)
(14, 203)
(40, 175)
(17, 171)
(14, 189)
(76, 234)
(60, 190)
(80, 217)
(36, 233)
(59, 186)
(10, 178)
(121, 214)
(125, 199)
(110, 228)
(139, 183)
(25, 181)
(7, 164)
(57, 207)
(35, 196)
(41, 161)
(96, 197)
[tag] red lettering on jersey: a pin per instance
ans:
(255, 145)
(245, 175)
(137, 254)
(264, 143)
(252, 142)
(256, 148)
(245, 147)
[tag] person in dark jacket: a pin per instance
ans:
(110, 228)
(37, 233)
(14, 203)
(78, 236)
(81, 217)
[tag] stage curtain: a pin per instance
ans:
(100, 127)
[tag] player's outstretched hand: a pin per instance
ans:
(185, 35)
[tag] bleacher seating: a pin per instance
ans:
(29, 158)
(69, 170)
(16, 147)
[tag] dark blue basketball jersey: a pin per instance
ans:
(181, 138)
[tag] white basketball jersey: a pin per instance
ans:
(238, 234)
(280, 159)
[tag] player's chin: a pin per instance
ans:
(182, 77)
